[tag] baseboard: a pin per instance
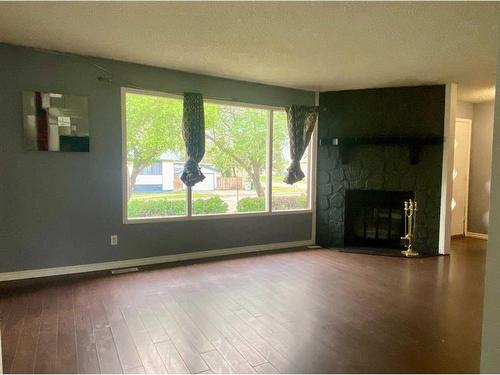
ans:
(481, 236)
(1, 365)
(30, 274)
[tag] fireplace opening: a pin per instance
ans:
(374, 218)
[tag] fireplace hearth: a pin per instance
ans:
(374, 218)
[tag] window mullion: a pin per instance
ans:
(189, 201)
(311, 165)
(269, 162)
(308, 177)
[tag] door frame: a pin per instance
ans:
(468, 123)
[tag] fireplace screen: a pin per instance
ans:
(374, 218)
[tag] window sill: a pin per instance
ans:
(211, 217)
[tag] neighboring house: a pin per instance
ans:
(164, 175)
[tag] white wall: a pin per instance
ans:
(482, 117)
(465, 110)
(490, 347)
(167, 171)
(480, 167)
(207, 184)
(148, 179)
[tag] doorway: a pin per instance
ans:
(461, 166)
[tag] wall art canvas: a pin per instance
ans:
(55, 122)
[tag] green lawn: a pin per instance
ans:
(276, 178)
(181, 195)
(289, 189)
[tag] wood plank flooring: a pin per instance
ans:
(314, 311)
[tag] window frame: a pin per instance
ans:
(311, 162)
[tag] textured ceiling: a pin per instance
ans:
(314, 46)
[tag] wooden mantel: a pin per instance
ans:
(415, 144)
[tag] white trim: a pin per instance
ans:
(481, 236)
(311, 158)
(123, 92)
(468, 123)
(313, 172)
(447, 171)
(205, 99)
(1, 365)
(29, 274)
(159, 219)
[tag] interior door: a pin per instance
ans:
(460, 177)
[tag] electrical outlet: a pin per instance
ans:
(114, 239)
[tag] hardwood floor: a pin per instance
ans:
(301, 311)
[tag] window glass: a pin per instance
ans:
(155, 154)
(284, 196)
(235, 161)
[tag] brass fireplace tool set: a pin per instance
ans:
(410, 211)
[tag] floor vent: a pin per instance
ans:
(124, 270)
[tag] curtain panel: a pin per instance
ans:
(301, 120)
(193, 132)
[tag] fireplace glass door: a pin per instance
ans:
(374, 218)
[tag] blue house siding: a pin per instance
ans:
(154, 169)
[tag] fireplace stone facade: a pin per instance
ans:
(378, 167)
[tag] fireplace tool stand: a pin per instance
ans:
(408, 241)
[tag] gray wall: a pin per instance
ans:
(59, 209)
(490, 345)
(482, 117)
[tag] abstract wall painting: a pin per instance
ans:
(55, 122)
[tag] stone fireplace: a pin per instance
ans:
(358, 196)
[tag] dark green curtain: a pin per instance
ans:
(301, 121)
(193, 132)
